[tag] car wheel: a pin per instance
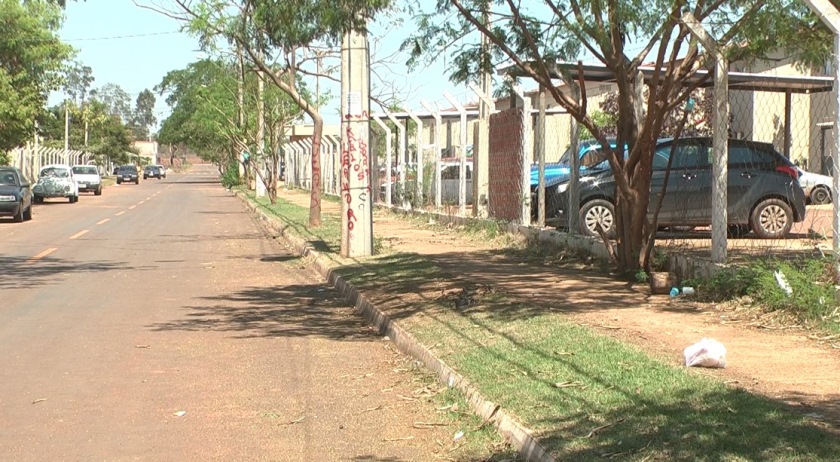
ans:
(144, 177)
(597, 212)
(771, 218)
(27, 214)
(18, 218)
(38, 199)
(737, 230)
(119, 182)
(820, 195)
(98, 191)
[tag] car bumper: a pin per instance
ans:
(9, 209)
(89, 187)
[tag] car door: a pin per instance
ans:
(686, 201)
(749, 165)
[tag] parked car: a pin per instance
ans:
(151, 171)
(56, 180)
(763, 194)
(128, 174)
(591, 157)
(15, 194)
(162, 170)
(88, 178)
(817, 187)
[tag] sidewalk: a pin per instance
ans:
(784, 365)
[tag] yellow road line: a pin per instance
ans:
(132, 207)
(120, 213)
(42, 255)
(148, 198)
(80, 234)
(102, 222)
(140, 202)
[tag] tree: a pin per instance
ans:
(108, 138)
(117, 101)
(537, 37)
(144, 115)
(272, 34)
(31, 61)
(205, 112)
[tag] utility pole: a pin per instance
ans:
(66, 128)
(356, 203)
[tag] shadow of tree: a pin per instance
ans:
(309, 310)
(21, 273)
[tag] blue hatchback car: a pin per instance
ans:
(15, 194)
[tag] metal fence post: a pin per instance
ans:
(462, 176)
(436, 114)
(388, 159)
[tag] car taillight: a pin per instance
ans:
(788, 170)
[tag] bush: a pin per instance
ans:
(811, 282)
(231, 176)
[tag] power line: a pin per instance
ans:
(115, 37)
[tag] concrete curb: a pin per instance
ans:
(516, 434)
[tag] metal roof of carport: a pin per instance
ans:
(737, 80)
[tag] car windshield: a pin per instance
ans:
(84, 170)
(8, 178)
(590, 152)
(55, 172)
(127, 169)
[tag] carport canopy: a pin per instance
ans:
(788, 84)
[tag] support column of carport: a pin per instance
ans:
(481, 149)
(418, 194)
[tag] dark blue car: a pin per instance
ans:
(763, 191)
(15, 194)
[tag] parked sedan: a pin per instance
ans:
(15, 194)
(56, 180)
(88, 178)
(763, 194)
(817, 187)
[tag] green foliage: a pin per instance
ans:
(231, 178)
(539, 38)
(143, 118)
(811, 281)
(31, 61)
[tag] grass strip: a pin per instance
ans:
(587, 396)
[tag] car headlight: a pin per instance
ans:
(562, 187)
(8, 198)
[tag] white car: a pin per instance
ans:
(817, 187)
(88, 178)
(162, 170)
(56, 180)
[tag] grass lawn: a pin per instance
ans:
(586, 396)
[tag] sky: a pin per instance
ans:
(135, 47)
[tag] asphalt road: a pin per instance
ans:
(159, 322)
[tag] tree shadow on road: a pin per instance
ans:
(298, 310)
(23, 273)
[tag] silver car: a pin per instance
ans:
(817, 187)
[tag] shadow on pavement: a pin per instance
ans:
(310, 310)
(22, 273)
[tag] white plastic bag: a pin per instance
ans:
(705, 353)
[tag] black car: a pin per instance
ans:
(128, 174)
(15, 194)
(763, 191)
(152, 171)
